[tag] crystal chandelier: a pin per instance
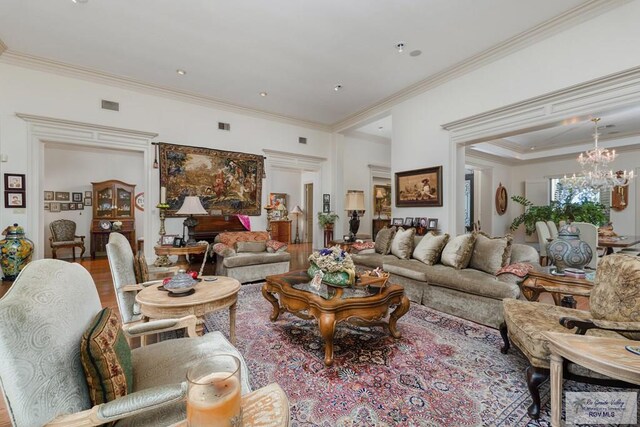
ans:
(595, 175)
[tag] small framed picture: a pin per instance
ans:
(177, 242)
(14, 199)
(14, 182)
(423, 222)
(48, 195)
(80, 206)
(398, 221)
(87, 201)
(46, 206)
(416, 222)
(433, 223)
(326, 198)
(64, 206)
(62, 196)
(326, 208)
(72, 206)
(87, 194)
(76, 197)
(168, 239)
(408, 222)
(54, 206)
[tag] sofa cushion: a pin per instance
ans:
(430, 247)
(251, 247)
(490, 253)
(223, 250)
(458, 251)
(106, 358)
(276, 246)
(372, 260)
(402, 243)
(523, 253)
(383, 240)
(247, 258)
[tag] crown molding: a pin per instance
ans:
(3, 47)
(555, 25)
(367, 137)
(20, 59)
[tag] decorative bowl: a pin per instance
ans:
(181, 283)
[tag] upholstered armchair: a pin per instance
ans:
(63, 235)
(42, 319)
(614, 312)
(543, 240)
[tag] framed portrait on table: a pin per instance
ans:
(397, 221)
(408, 222)
(168, 239)
(433, 224)
(420, 187)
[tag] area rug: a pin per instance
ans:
(444, 371)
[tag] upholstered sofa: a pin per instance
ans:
(249, 255)
(467, 292)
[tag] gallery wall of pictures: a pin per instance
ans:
(15, 191)
(58, 201)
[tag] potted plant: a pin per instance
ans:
(327, 220)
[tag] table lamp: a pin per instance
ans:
(379, 198)
(354, 203)
(191, 206)
(297, 211)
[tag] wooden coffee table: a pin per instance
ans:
(561, 288)
(332, 305)
(209, 296)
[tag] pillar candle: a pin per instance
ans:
(163, 194)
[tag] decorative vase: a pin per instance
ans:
(338, 278)
(567, 250)
(15, 252)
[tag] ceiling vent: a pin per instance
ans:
(224, 126)
(302, 140)
(110, 105)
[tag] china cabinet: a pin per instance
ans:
(113, 210)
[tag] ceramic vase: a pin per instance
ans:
(15, 252)
(339, 278)
(567, 250)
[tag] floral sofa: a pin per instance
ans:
(249, 256)
(462, 291)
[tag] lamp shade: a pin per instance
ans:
(354, 200)
(296, 210)
(191, 206)
(379, 194)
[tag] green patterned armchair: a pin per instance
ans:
(614, 312)
(42, 319)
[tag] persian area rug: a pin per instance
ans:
(444, 371)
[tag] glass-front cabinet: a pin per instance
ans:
(113, 210)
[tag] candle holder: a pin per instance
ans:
(163, 260)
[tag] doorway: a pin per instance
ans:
(308, 209)
(469, 218)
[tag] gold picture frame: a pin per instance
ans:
(419, 187)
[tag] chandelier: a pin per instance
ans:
(595, 175)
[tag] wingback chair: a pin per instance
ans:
(63, 235)
(42, 319)
(614, 312)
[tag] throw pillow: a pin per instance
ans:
(490, 254)
(402, 243)
(383, 240)
(140, 268)
(276, 246)
(363, 248)
(223, 250)
(106, 358)
(251, 247)
(458, 251)
(430, 248)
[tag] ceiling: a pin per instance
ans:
(297, 51)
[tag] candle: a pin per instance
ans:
(214, 404)
(163, 194)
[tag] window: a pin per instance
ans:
(559, 193)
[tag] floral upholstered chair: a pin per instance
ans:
(614, 312)
(43, 317)
(63, 235)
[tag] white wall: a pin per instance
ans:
(601, 46)
(73, 169)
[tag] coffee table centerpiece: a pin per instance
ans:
(335, 265)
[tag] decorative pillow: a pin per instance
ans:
(490, 254)
(223, 250)
(230, 238)
(383, 240)
(251, 247)
(430, 248)
(363, 247)
(275, 246)
(140, 268)
(402, 243)
(520, 269)
(106, 358)
(458, 251)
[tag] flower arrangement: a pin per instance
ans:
(332, 260)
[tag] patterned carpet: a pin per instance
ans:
(444, 371)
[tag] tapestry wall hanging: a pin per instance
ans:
(225, 181)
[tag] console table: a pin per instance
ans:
(281, 230)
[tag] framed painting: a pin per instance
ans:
(326, 208)
(14, 182)
(326, 198)
(278, 199)
(64, 206)
(420, 187)
(62, 196)
(225, 180)
(87, 201)
(14, 199)
(382, 200)
(76, 197)
(48, 195)
(54, 206)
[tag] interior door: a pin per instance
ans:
(308, 213)
(468, 201)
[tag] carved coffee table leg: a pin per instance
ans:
(273, 300)
(400, 311)
(232, 323)
(327, 324)
(199, 326)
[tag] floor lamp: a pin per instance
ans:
(297, 212)
(191, 206)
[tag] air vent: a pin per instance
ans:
(224, 126)
(110, 105)
(302, 140)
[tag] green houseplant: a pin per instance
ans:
(327, 220)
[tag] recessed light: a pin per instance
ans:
(181, 72)
(532, 148)
(263, 94)
(337, 87)
(400, 47)
(79, 1)
(416, 52)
